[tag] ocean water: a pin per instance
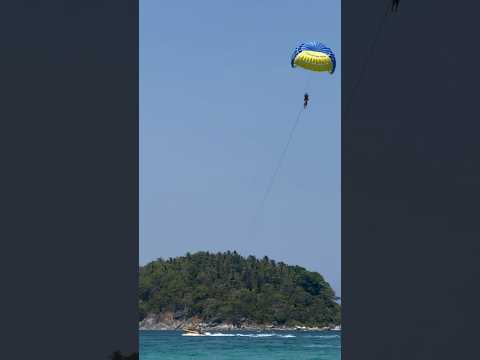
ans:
(298, 345)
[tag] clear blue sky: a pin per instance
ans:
(217, 101)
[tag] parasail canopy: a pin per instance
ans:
(313, 56)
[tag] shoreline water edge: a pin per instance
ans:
(166, 322)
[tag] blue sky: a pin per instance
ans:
(217, 101)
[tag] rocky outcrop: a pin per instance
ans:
(178, 321)
(165, 321)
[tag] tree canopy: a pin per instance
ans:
(226, 287)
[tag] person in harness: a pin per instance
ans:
(305, 101)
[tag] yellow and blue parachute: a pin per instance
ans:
(314, 56)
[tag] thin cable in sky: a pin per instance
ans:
(277, 169)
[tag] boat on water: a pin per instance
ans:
(193, 332)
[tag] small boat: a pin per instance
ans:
(193, 332)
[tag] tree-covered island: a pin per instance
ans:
(226, 290)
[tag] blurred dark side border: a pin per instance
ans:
(410, 180)
(69, 174)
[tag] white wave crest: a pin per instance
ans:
(324, 336)
(250, 335)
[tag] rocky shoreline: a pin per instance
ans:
(168, 321)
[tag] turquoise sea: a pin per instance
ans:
(298, 345)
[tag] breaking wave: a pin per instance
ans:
(251, 335)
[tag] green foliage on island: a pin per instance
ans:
(228, 288)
